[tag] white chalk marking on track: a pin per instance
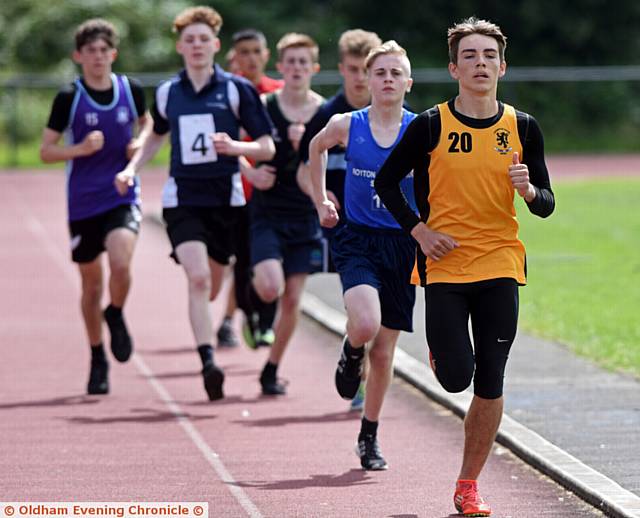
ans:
(52, 249)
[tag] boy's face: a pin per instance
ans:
(297, 66)
(198, 45)
(354, 76)
(95, 58)
(251, 58)
(479, 66)
(389, 78)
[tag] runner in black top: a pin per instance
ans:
(285, 232)
(481, 152)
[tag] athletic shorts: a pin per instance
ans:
(493, 307)
(213, 226)
(88, 235)
(296, 241)
(384, 260)
(327, 261)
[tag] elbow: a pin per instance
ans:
(269, 151)
(45, 156)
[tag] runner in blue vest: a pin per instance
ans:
(370, 252)
(203, 108)
(97, 115)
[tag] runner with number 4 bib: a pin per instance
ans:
(203, 108)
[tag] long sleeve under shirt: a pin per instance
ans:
(421, 138)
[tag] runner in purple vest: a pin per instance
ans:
(97, 115)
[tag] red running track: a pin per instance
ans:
(156, 438)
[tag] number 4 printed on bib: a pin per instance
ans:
(195, 144)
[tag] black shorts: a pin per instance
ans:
(213, 226)
(295, 242)
(381, 259)
(493, 307)
(88, 235)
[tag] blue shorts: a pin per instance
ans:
(383, 259)
(296, 241)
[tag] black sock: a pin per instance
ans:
(206, 353)
(367, 427)
(269, 371)
(353, 352)
(267, 312)
(227, 320)
(97, 353)
(113, 310)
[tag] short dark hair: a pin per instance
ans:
(471, 26)
(248, 34)
(96, 29)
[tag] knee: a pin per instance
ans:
(454, 375)
(267, 289)
(119, 269)
(382, 357)
(200, 282)
(92, 291)
(363, 328)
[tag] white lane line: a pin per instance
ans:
(210, 455)
(53, 251)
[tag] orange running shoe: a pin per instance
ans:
(467, 500)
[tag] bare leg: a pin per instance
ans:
(380, 371)
(288, 316)
(120, 244)
(480, 428)
(193, 258)
(363, 314)
(91, 275)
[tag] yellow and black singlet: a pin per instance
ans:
(463, 189)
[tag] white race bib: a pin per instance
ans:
(195, 143)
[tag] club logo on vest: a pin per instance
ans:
(502, 141)
(122, 115)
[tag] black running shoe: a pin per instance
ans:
(98, 378)
(121, 345)
(226, 334)
(371, 458)
(348, 374)
(272, 386)
(213, 380)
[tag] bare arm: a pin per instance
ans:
(334, 133)
(150, 145)
(50, 151)
(145, 125)
(260, 150)
(262, 177)
(304, 179)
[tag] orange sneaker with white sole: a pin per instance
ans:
(467, 500)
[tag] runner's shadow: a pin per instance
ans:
(404, 516)
(175, 350)
(149, 417)
(228, 400)
(354, 477)
(61, 401)
(285, 420)
(177, 375)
